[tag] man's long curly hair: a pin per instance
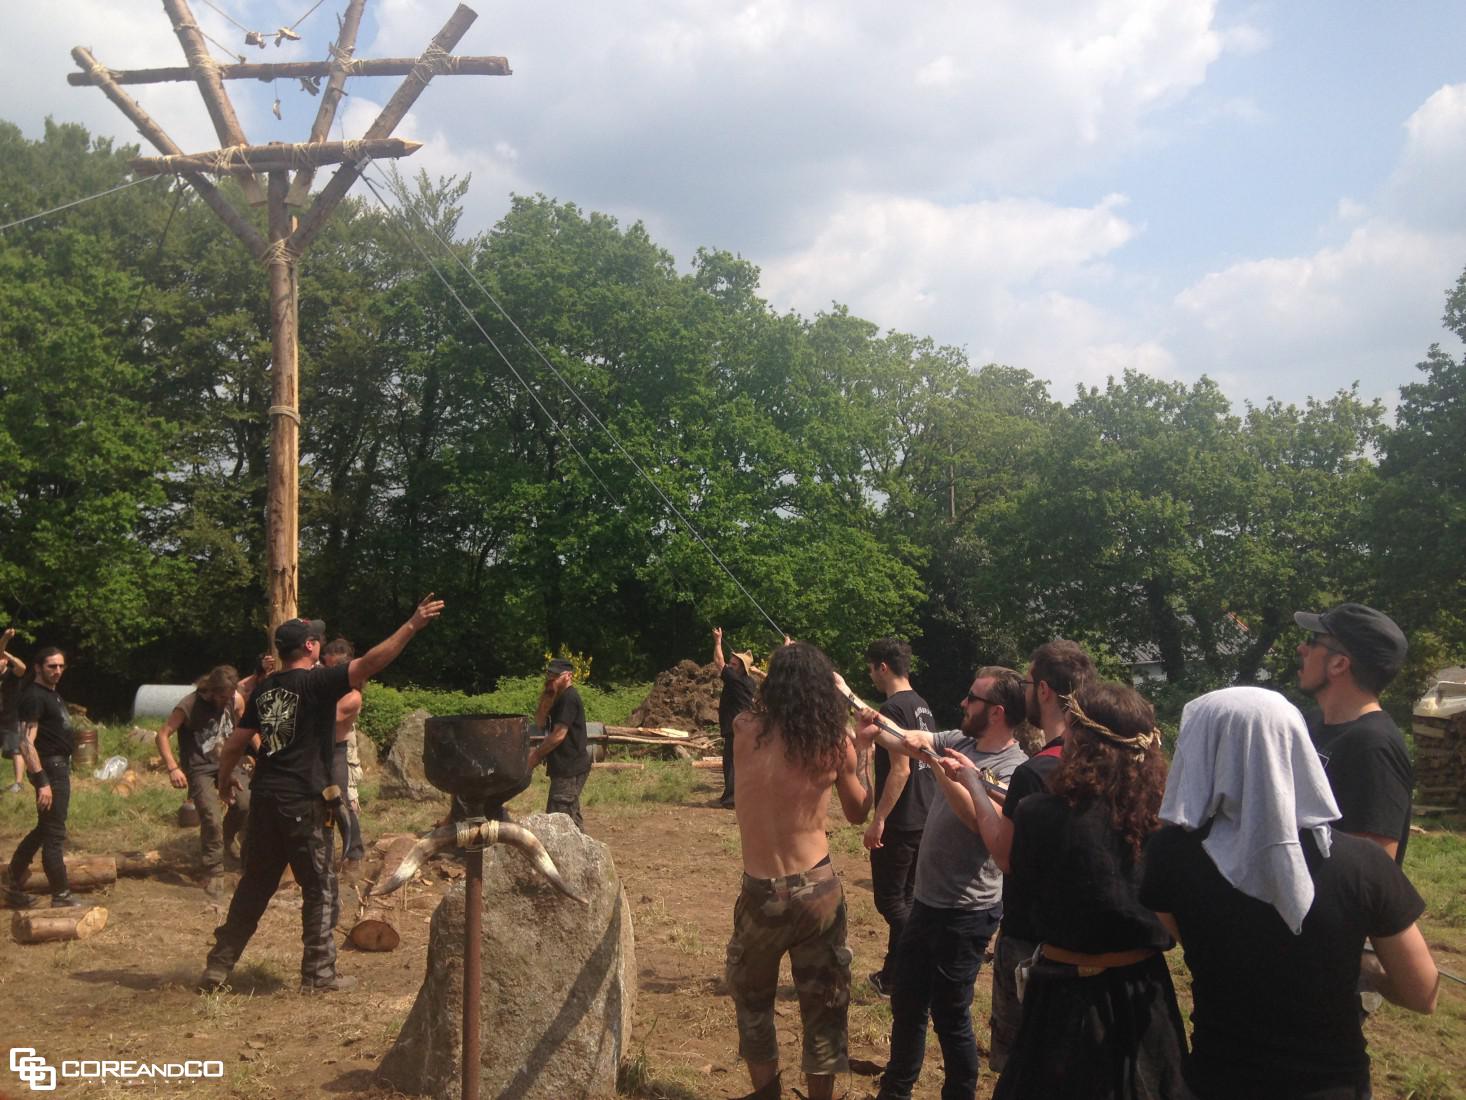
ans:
(1128, 780)
(799, 697)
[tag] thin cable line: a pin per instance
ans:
(226, 15)
(687, 523)
(307, 15)
(157, 258)
(78, 202)
(559, 429)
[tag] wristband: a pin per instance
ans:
(38, 779)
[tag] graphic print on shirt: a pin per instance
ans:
(215, 733)
(277, 708)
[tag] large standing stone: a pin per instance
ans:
(559, 980)
(402, 774)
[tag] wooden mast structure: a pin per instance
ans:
(286, 237)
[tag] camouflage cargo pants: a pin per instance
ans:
(803, 915)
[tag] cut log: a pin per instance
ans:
(375, 931)
(82, 873)
(708, 763)
(617, 766)
(53, 925)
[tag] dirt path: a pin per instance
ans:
(127, 992)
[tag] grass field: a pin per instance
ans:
(1415, 1058)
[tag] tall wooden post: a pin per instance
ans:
(287, 240)
(282, 512)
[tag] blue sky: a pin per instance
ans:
(1268, 193)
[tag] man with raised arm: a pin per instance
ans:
(790, 748)
(958, 897)
(294, 713)
(737, 696)
(45, 745)
(904, 790)
(1055, 671)
(12, 682)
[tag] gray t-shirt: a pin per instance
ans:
(953, 868)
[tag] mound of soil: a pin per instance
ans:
(685, 697)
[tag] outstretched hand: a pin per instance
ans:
(426, 611)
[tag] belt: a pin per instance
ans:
(1090, 965)
(55, 760)
(788, 886)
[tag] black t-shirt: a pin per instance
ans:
(1080, 879)
(205, 727)
(1032, 777)
(41, 705)
(1370, 772)
(570, 756)
(1276, 1013)
(737, 697)
(908, 711)
(295, 712)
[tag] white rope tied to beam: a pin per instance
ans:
(226, 160)
(278, 252)
(434, 60)
(285, 410)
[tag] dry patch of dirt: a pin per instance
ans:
(127, 992)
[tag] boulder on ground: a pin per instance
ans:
(402, 774)
(559, 980)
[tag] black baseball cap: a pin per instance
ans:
(293, 633)
(559, 665)
(1368, 636)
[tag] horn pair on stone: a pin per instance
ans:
(467, 835)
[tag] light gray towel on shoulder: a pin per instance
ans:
(1244, 762)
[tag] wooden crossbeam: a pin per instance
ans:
(432, 61)
(205, 73)
(275, 156)
(149, 129)
(300, 186)
(282, 70)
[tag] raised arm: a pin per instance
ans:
(385, 652)
(718, 661)
(978, 811)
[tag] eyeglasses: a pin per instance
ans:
(1316, 639)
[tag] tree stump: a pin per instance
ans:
(375, 931)
(82, 873)
(54, 925)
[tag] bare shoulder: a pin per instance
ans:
(748, 723)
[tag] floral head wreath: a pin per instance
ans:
(1140, 741)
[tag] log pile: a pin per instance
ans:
(1439, 726)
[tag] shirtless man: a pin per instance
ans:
(346, 762)
(788, 751)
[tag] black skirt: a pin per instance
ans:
(1115, 1035)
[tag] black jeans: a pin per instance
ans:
(283, 833)
(893, 882)
(49, 835)
(937, 962)
(727, 795)
(347, 820)
(565, 796)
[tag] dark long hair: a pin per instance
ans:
(42, 655)
(1128, 779)
(799, 697)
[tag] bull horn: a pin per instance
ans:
(491, 832)
(445, 836)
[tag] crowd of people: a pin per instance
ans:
(1269, 850)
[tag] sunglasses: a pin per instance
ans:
(1315, 639)
(971, 698)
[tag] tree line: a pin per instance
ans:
(857, 481)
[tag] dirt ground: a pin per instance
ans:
(127, 992)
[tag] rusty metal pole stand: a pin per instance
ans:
(473, 920)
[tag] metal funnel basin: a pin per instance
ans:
(481, 758)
